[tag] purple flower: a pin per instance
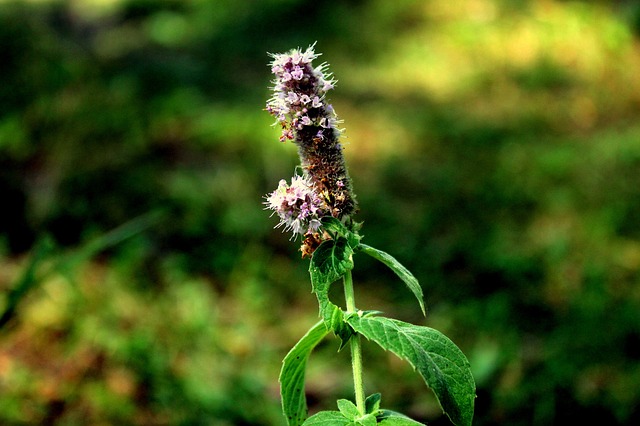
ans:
(305, 99)
(298, 206)
(298, 84)
(297, 73)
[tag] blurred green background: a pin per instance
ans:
(494, 147)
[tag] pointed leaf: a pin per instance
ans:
(331, 260)
(340, 327)
(328, 418)
(372, 403)
(402, 272)
(439, 361)
(348, 409)
(292, 375)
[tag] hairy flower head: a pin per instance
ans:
(299, 93)
(298, 206)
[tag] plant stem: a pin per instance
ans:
(356, 348)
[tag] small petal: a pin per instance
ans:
(297, 73)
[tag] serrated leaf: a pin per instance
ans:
(391, 418)
(331, 260)
(292, 375)
(439, 361)
(403, 273)
(328, 418)
(348, 409)
(372, 403)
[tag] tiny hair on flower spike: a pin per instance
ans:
(318, 205)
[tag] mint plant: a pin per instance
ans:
(318, 206)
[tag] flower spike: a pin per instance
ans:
(300, 107)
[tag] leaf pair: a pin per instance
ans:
(337, 418)
(348, 414)
(439, 361)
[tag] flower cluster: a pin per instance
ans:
(299, 94)
(298, 206)
(300, 107)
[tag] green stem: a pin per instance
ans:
(356, 348)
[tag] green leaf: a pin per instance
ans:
(439, 361)
(391, 418)
(402, 272)
(348, 409)
(340, 327)
(336, 228)
(331, 260)
(400, 421)
(367, 420)
(372, 403)
(292, 375)
(328, 418)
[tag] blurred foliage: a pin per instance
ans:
(494, 146)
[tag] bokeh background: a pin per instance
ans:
(494, 146)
